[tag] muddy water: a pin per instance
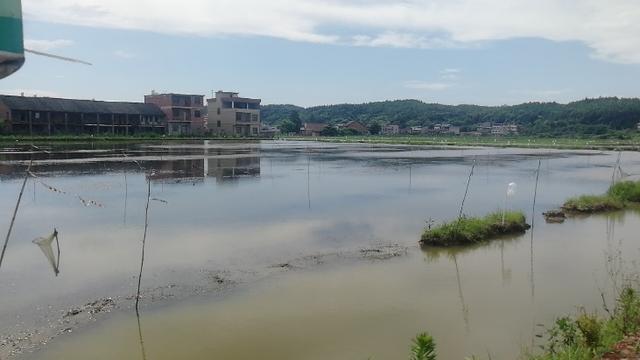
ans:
(229, 211)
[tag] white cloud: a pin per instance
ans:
(46, 45)
(123, 54)
(400, 40)
(450, 74)
(429, 86)
(543, 95)
(610, 28)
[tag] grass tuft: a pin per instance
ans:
(627, 191)
(619, 196)
(472, 230)
(593, 204)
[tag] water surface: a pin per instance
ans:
(233, 210)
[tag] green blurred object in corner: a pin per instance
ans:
(11, 37)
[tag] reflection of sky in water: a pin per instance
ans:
(474, 300)
(239, 206)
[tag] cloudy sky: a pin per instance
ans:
(312, 52)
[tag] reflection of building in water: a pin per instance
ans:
(188, 170)
(233, 168)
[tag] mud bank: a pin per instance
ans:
(19, 341)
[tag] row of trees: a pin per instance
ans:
(589, 117)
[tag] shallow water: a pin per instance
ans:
(238, 208)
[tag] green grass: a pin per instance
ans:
(587, 336)
(592, 204)
(501, 141)
(472, 230)
(627, 191)
(619, 196)
(583, 336)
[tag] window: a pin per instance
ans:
(219, 122)
(243, 117)
(255, 131)
(197, 113)
(254, 117)
(218, 111)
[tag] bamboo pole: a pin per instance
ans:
(466, 191)
(15, 212)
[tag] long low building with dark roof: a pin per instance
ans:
(51, 116)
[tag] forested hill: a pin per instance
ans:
(588, 117)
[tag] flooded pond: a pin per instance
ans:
(289, 250)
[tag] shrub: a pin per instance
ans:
(587, 336)
(589, 327)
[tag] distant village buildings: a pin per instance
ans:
(230, 114)
(225, 114)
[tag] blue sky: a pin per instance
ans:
(328, 58)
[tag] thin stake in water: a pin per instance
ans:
(15, 212)
(466, 191)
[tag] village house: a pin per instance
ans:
(357, 127)
(390, 129)
(268, 131)
(416, 130)
(50, 116)
(229, 114)
(184, 113)
(312, 129)
(501, 130)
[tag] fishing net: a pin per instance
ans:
(46, 245)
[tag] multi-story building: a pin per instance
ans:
(502, 129)
(184, 112)
(229, 114)
(391, 129)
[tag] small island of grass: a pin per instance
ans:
(619, 196)
(472, 230)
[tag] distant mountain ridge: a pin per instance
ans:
(600, 116)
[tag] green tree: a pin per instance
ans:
(329, 131)
(288, 127)
(375, 128)
(294, 117)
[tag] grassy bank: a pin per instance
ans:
(506, 141)
(502, 141)
(619, 196)
(472, 230)
(583, 336)
(587, 336)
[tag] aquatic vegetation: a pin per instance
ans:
(423, 348)
(471, 230)
(592, 204)
(619, 196)
(627, 191)
(588, 336)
